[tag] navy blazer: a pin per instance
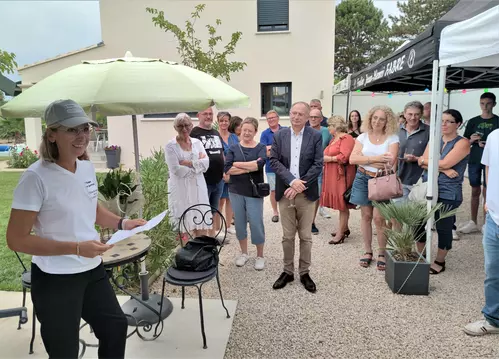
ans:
(310, 166)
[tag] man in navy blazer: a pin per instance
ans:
(296, 157)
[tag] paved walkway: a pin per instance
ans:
(353, 314)
(181, 337)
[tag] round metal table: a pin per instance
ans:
(145, 310)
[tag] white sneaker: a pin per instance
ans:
(455, 236)
(469, 227)
(242, 259)
(231, 230)
(323, 212)
(481, 327)
(259, 263)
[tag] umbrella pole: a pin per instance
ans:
(136, 145)
(143, 271)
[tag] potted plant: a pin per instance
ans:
(407, 271)
(119, 193)
(113, 156)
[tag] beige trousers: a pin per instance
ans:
(297, 215)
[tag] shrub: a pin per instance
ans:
(154, 177)
(22, 159)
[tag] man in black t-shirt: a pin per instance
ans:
(477, 130)
(212, 142)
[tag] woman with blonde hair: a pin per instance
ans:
(57, 198)
(187, 161)
(338, 175)
(375, 149)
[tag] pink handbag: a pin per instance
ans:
(385, 186)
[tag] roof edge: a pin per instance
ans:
(61, 56)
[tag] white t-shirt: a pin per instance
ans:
(489, 157)
(66, 203)
(369, 149)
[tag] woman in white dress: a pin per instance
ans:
(187, 161)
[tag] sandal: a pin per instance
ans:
(381, 265)
(366, 261)
(441, 264)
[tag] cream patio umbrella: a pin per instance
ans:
(127, 86)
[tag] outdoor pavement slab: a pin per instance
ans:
(181, 337)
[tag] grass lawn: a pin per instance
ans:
(10, 268)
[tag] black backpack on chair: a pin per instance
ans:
(198, 255)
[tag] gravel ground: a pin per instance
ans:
(353, 314)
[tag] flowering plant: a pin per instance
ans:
(22, 159)
(112, 148)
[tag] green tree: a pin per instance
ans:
(7, 62)
(362, 36)
(416, 15)
(190, 47)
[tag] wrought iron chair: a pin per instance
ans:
(26, 283)
(203, 214)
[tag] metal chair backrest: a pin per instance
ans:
(21, 261)
(201, 214)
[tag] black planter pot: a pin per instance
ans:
(113, 158)
(397, 272)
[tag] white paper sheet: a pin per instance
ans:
(123, 234)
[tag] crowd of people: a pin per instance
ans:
(315, 164)
(320, 163)
(221, 167)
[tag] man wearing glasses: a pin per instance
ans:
(296, 156)
(212, 142)
(267, 138)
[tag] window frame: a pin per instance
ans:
(263, 28)
(266, 85)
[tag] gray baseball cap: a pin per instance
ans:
(66, 113)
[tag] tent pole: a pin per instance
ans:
(433, 150)
(348, 105)
(349, 96)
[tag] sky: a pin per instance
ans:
(49, 28)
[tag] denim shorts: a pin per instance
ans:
(359, 194)
(214, 193)
(476, 172)
(271, 180)
(225, 192)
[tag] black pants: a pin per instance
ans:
(62, 300)
(445, 225)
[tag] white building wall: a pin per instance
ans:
(304, 55)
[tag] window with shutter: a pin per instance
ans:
(273, 15)
(277, 97)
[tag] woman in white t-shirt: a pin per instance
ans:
(57, 198)
(374, 149)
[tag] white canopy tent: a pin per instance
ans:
(472, 43)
